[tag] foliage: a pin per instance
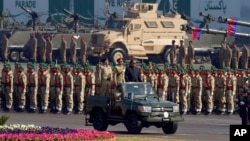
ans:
(4, 119)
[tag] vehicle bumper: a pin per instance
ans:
(162, 119)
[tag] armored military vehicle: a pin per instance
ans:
(140, 33)
(18, 36)
(135, 104)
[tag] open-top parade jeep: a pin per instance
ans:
(135, 104)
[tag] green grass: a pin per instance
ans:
(141, 138)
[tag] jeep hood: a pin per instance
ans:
(154, 102)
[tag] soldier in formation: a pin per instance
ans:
(42, 49)
(49, 48)
(73, 46)
(4, 48)
(190, 53)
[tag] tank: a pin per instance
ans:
(19, 35)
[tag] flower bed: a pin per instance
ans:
(19, 132)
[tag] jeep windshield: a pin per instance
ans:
(116, 24)
(138, 88)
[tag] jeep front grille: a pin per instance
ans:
(97, 39)
(162, 109)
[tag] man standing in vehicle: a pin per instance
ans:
(173, 53)
(132, 73)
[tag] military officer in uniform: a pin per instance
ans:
(162, 84)
(7, 86)
(83, 49)
(68, 87)
(196, 91)
(56, 91)
(79, 86)
(32, 85)
(119, 76)
(209, 86)
(63, 49)
(33, 49)
(90, 81)
(235, 57)
(44, 86)
(174, 86)
(21, 88)
(4, 48)
(228, 56)
(184, 88)
(42, 49)
(73, 46)
(220, 84)
(106, 77)
(244, 57)
(97, 83)
(182, 53)
(173, 53)
(151, 78)
(49, 48)
(230, 91)
(190, 54)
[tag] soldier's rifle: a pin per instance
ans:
(33, 14)
(76, 17)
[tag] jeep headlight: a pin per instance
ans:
(176, 108)
(145, 108)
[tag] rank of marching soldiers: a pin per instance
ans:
(239, 132)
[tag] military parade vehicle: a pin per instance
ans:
(136, 105)
(141, 33)
(19, 35)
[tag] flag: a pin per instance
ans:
(196, 33)
(232, 27)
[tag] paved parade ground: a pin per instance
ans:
(194, 127)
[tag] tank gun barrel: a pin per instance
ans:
(228, 20)
(67, 12)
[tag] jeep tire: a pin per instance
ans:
(100, 122)
(170, 128)
(133, 124)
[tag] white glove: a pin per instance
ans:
(11, 90)
(233, 93)
(92, 93)
(224, 93)
(212, 93)
(242, 103)
(163, 93)
(71, 92)
(186, 93)
(81, 93)
(47, 92)
(200, 93)
(177, 93)
(24, 91)
(61, 92)
(189, 91)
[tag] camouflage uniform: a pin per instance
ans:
(220, 84)
(79, 83)
(83, 49)
(4, 48)
(182, 54)
(174, 86)
(33, 49)
(244, 57)
(162, 85)
(44, 86)
(196, 91)
(42, 49)
(209, 86)
(230, 92)
(190, 54)
(7, 86)
(173, 53)
(68, 89)
(63, 50)
(106, 78)
(49, 48)
(235, 57)
(184, 82)
(228, 56)
(32, 85)
(73, 46)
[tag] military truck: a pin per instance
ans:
(140, 33)
(136, 105)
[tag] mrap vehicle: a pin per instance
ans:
(140, 33)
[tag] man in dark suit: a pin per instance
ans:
(132, 73)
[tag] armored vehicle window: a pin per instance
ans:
(116, 24)
(167, 24)
(151, 24)
(137, 26)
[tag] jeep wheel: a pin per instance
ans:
(133, 124)
(116, 54)
(14, 55)
(100, 122)
(170, 128)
